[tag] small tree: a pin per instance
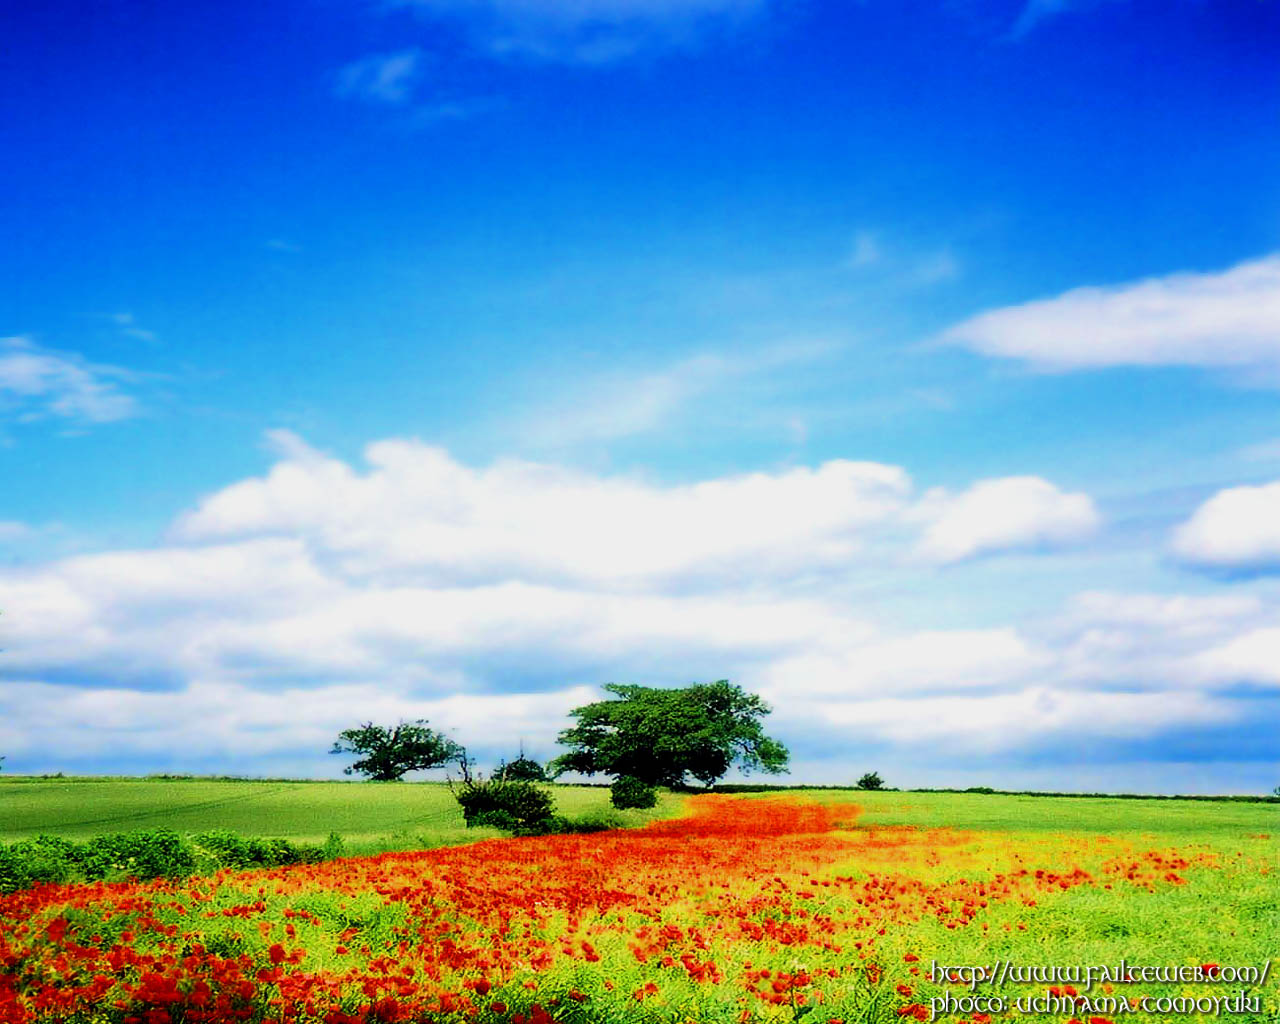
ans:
(522, 769)
(871, 781)
(389, 753)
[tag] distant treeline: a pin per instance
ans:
(752, 787)
(724, 787)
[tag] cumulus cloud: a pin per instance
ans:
(418, 514)
(37, 383)
(980, 726)
(1228, 319)
(228, 723)
(921, 661)
(1238, 529)
(1013, 513)
(1253, 657)
(491, 600)
(1149, 640)
(382, 78)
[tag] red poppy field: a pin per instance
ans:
(742, 909)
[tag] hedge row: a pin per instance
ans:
(752, 787)
(157, 853)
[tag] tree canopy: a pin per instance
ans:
(661, 736)
(389, 753)
(522, 769)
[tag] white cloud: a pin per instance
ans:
(983, 726)
(238, 725)
(1229, 319)
(383, 78)
(1252, 657)
(859, 667)
(1236, 529)
(418, 514)
(1013, 513)
(36, 383)
(287, 606)
(1149, 640)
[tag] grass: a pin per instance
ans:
(755, 908)
(907, 878)
(1156, 820)
(370, 817)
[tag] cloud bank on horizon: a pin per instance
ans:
(489, 600)
(656, 341)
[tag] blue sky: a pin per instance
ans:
(914, 364)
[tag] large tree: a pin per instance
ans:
(661, 736)
(389, 753)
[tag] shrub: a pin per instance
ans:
(598, 821)
(42, 859)
(148, 854)
(229, 850)
(225, 848)
(511, 806)
(155, 854)
(629, 791)
(333, 847)
(871, 781)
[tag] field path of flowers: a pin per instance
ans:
(744, 909)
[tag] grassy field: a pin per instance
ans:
(366, 813)
(1162, 820)
(370, 817)
(757, 908)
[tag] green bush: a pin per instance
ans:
(148, 854)
(226, 849)
(42, 859)
(629, 791)
(158, 853)
(599, 821)
(512, 806)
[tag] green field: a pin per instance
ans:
(371, 817)
(367, 814)
(772, 903)
(1155, 820)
